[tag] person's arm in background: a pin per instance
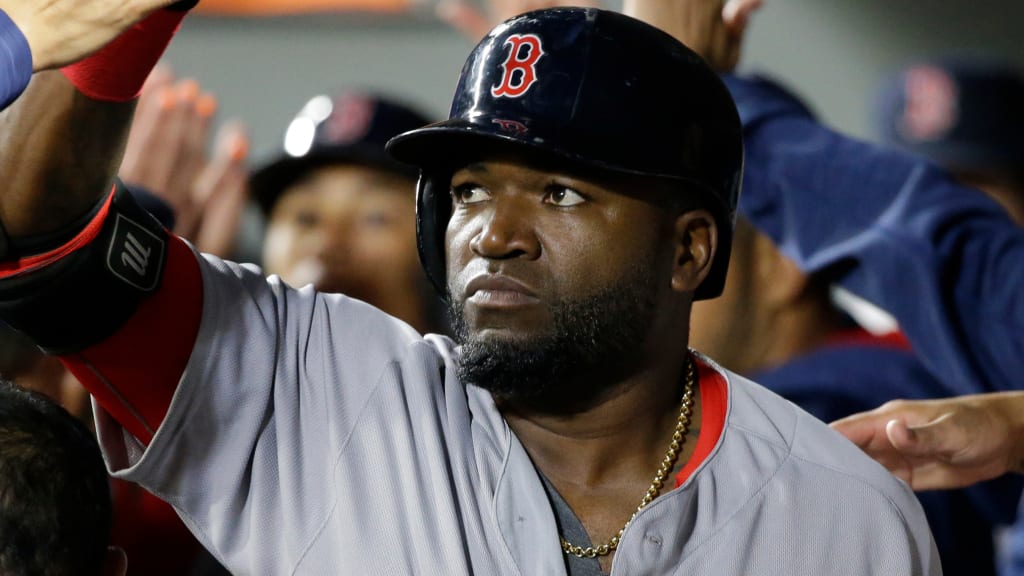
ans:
(945, 260)
(70, 277)
(949, 443)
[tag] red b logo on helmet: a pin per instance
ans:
(519, 72)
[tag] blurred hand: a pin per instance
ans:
(712, 28)
(60, 32)
(941, 444)
(222, 190)
(167, 155)
(467, 17)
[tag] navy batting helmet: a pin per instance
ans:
(594, 88)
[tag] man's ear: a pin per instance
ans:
(695, 236)
(116, 562)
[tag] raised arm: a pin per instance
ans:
(77, 260)
(945, 260)
(63, 140)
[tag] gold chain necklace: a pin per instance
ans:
(678, 439)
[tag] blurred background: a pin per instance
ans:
(833, 53)
(264, 59)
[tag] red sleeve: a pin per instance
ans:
(134, 373)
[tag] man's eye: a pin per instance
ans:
(470, 194)
(563, 197)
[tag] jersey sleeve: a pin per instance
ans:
(945, 260)
(276, 382)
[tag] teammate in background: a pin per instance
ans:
(570, 240)
(340, 211)
(965, 115)
(945, 261)
(55, 510)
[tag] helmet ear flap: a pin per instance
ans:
(433, 210)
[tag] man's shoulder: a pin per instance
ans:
(813, 452)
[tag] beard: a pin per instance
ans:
(594, 341)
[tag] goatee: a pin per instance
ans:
(593, 341)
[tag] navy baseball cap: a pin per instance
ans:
(962, 114)
(350, 128)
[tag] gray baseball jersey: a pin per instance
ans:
(313, 434)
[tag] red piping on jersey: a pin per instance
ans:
(88, 234)
(134, 373)
(714, 402)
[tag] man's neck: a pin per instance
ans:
(602, 459)
(632, 422)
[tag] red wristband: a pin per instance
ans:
(116, 73)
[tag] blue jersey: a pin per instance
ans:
(863, 372)
(944, 259)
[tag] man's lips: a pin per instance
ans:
(497, 291)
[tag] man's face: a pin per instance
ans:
(349, 229)
(553, 279)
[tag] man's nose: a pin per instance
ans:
(506, 232)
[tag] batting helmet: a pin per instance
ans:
(597, 89)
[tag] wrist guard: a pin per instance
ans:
(73, 293)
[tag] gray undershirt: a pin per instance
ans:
(570, 527)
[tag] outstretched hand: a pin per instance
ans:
(167, 155)
(712, 28)
(942, 444)
(60, 32)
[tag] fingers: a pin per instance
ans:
(166, 150)
(940, 439)
(153, 144)
(222, 191)
(864, 429)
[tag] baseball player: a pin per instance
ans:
(338, 209)
(912, 240)
(577, 199)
